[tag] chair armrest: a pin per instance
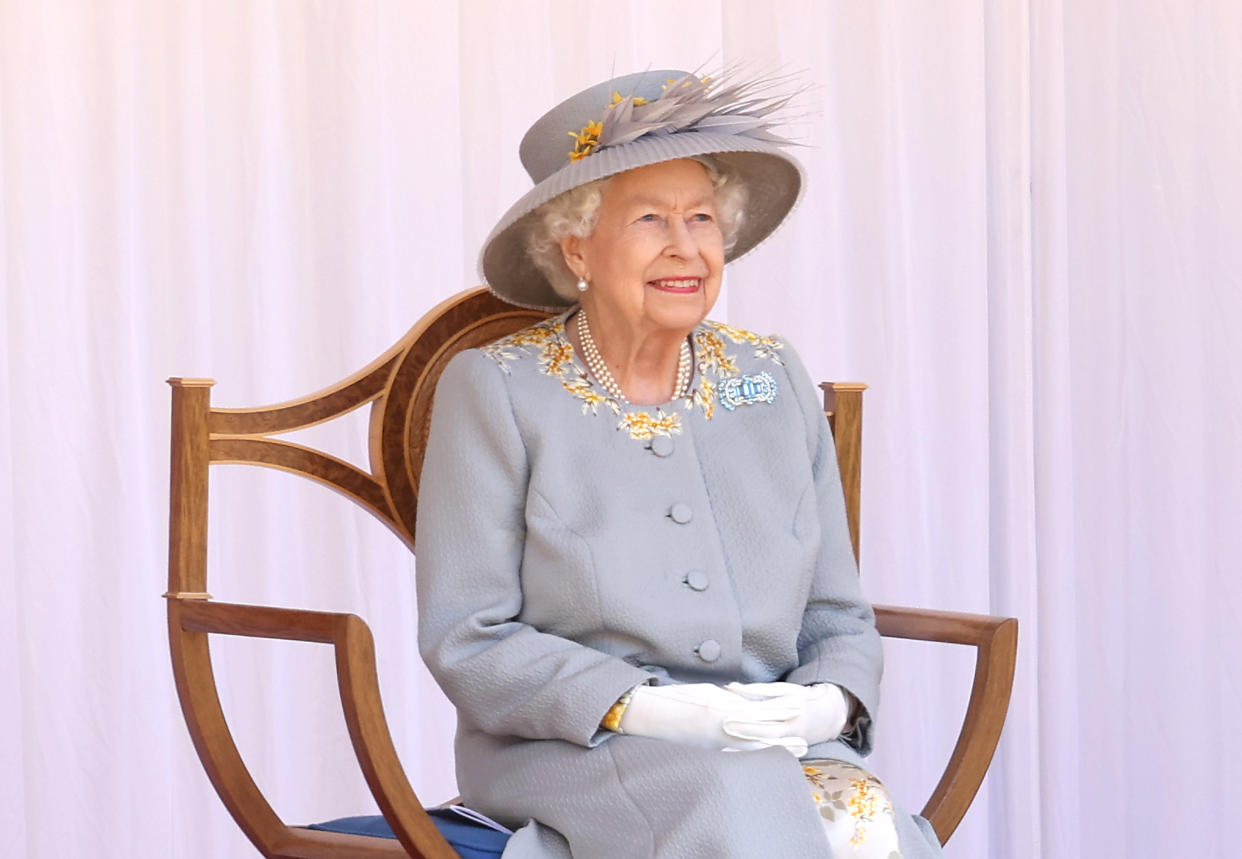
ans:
(996, 642)
(190, 620)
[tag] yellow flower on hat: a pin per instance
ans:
(617, 98)
(585, 140)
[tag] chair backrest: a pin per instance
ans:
(398, 387)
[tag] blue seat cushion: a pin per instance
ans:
(470, 840)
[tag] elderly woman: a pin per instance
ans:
(635, 579)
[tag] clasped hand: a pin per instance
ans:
(740, 716)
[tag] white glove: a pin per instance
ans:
(821, 710)
(705, 715)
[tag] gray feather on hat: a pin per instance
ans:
(685, 105)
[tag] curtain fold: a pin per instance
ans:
(1020, 230)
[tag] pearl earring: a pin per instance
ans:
(583, 285)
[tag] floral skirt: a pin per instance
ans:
(856, 811)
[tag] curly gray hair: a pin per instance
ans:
(576, 212)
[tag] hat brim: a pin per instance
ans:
(773, 178)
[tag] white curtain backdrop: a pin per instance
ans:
(1023, 230)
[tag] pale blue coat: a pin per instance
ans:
(570, 548)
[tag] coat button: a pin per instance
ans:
(709, 651)
(662, 445)
(698, 580)
(681, 513)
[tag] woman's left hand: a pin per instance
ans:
(822, 710)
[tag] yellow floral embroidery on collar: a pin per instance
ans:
(765, 347)
(644, 426)
(591, 398)
(704, 396)
(556, 357)
(506, 349)
(710, 351)
(715, 363)
(547, 343)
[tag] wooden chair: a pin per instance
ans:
(398, 386)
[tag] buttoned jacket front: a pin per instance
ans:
(570, 547)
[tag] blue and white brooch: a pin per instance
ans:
(747, 390)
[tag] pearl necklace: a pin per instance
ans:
(595, 363)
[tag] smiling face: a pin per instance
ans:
(656, 256)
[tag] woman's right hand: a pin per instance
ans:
(706, 715)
